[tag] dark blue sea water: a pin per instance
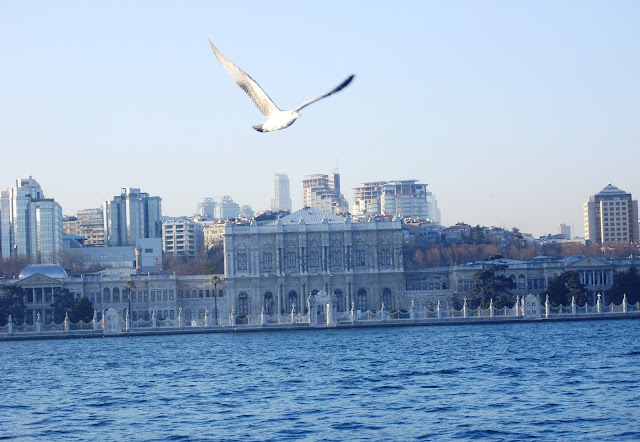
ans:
(514, 381)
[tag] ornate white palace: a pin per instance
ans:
(277, 265)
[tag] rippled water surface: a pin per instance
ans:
(515, 381)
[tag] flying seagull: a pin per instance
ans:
(276, 119)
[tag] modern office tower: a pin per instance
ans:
(207, 208)
(322, 192)
(403, 198)
(611, 216)
(281, 193)
(227, 208)
(565, 230)
(130, 216)
(182, 237)
(30, 224)
(432, 207)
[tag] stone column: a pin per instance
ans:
(262, 316)
(573, 306)
(382, 312)
(546, 308)
(313, 311)
(517, 306)
(154, 324)
(412, 312)
(95, 317)
(598, 303)
(439, 315)
(353, 315)
(293, 312)
(624, 303)
(206, 317)
(127, 324)
(332, 318)
(66, 323)
(179, 317)
(232, 315)
(38, 323)
(10, 324)
(464, 308)
(491, 308)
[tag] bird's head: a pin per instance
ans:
(295, 114)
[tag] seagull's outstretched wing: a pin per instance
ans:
(248, 84)
(342, 85)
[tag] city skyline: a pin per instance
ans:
(512, 114)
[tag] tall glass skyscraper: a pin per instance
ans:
(130, 216)
(30, 224)
(281, 193)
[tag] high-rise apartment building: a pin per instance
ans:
(88, 223)
(565, 230)
(366, 198)
(402, 198)
(30, 224)
(322, 192)
(611, 216)
(130, 216)
(281, 193)
(182, 237)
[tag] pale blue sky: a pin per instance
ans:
(514, 113)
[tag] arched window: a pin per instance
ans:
(116, 294)
(339, 300)
(362, 300)
(243, 304)
(98, 298)
(336, 258)
(107, 295)
(187, 316)
(386, 298)
(201, 314)
(293, 300)
(268, 303)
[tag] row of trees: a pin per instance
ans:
(417, 256)
(206, 263)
